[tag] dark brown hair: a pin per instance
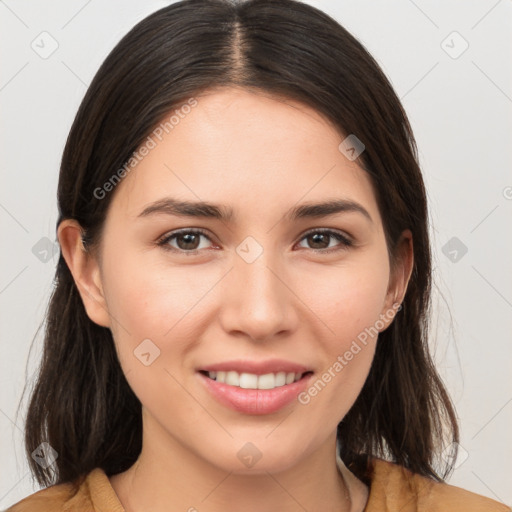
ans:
(81, 403)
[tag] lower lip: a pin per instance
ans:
(255, 401)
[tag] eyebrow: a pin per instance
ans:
(201, 209)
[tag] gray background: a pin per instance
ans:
(459, 103)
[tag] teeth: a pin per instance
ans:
(252, 381)
(290, 377)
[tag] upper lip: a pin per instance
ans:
(257, 367)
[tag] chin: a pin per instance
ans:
(254, 457)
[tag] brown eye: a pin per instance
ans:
(187, 241)
(319, 240)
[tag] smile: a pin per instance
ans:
(253, 381)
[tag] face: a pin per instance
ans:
(260, 292)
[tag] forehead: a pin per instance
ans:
(254, 153)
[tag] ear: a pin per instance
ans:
(84, 267)
(399, 279)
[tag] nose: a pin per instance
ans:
(258, 300)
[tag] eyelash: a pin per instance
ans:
(345, 241)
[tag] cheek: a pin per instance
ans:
(350, 306)
(347, 299)
(148, 297)
(150, 305)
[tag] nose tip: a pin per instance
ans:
(257, 302)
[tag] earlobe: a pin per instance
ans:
(84, 267)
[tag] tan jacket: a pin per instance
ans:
(393, 489)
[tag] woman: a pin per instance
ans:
(240, 312)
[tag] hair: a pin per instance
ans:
(81, 403)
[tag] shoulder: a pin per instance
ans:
(400, 489)
(51, 498)
(71, 496)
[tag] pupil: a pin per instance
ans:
(315, 237)
(188, 240)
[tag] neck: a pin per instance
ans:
(169, 477)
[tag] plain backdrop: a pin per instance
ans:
(450, 63)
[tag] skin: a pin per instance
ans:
(261, 156)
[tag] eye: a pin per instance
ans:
(320, 237)
(186, 239)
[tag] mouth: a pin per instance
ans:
(246, 380)
(255, 393)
